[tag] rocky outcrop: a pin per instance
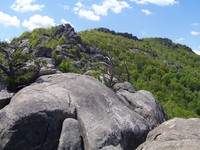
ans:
(67, 31)
(126, 35)
(34, 118)
(142, 102)
(47, 66)
(43, 51)
(177, 133)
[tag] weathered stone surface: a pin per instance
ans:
(43, 52)
(68, 31)
(126, 35)
(175, 134)
(33, 119)
(23, 43)
(47, 66)
(26, 50)
(43, 38)
(124, 86)
(70, 136)
(144, 103)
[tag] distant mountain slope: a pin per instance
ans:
(170, 71)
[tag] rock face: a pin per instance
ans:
(182, 134)
(70, 136)
(43, 52)
(142, 102)
(34, 117)
(126, 35)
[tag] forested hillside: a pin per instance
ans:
(170, 71)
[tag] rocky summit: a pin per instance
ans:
(50, 99)
(77, 112)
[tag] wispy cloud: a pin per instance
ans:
(197, 51)
(194, 33)
(156, 2)
(146, 11)
(66, 22)
(38, 21)
(8, 20)
(95, 11)
(179, 40)
(114, 5)
(195, 24)
(81, 10)
(26, 6)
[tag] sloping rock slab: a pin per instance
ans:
(143, 103)
(34, 117)
(175, 134)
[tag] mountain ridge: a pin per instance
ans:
(169, 70)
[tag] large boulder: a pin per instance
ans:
(34, 117)
(141, 102)
(43, 51)
(177, 133)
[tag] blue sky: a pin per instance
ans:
(178, 20)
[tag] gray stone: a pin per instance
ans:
(26, 50)
(47, 66)
(124, 86)
(145, 104)
(67, 46)
(58, 48)
(33, 119)
(175, 134)
(24, 43)
(43, 52)
(43, 38)
(58, 30)
(70, 136)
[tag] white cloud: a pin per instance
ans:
(97, 10)
(195, 33)
(197, 52)
(146, 11)
(8, 20)
(156, 2)
(180, 40)
(113, 5)
(38, 21)
(84, 13)
(25, 6)
(66, 22)
(195, 24)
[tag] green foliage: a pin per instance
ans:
(21, 78)
(170, 71)
(37, 33)
(24, 35)
(66, 66)
(96, 73)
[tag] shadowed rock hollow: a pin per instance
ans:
(101, 119)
